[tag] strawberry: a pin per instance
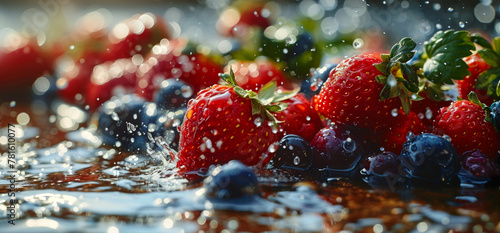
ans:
(75, 77)
(393, 136)
(477, 65)
(226, 122)
(136, 35)
(431, 100)
(467, 123)
(237, 20)
(22, 61)
(110, 79)
(172, 59)
(299, 118)
(254, 75)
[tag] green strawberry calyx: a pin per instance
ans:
(445, 52)
(400, 78)
(489, 80)
(473, 98)
(266, 101)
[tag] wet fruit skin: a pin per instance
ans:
(308, 88)
(351, 94)
(477, 65)
(168, 61)
(394, 135)
(173, 94)
(109, 79)
(385, 163)
(428, 157)
(293, 153)
(299, 118)
(21, 65)
(142, 32)
(479, 165)
(231, 181)
(124, 123)
(255, 74)
(336, 150)
(464, 122)
(219, 127)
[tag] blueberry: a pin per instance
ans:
(293, 153)
(428, 157)
(173, 94)
(495, 113)
(230, 181)
(337, 150)
(125, 123)
(312, 86)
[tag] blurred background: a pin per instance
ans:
(196, 19)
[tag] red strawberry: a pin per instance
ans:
(299, 118)
(254, 75)
(465, 122)
(393, 136)
(236, 21)
(427, 109)
(75, 77)
(167, 61)
(477, 65)
(21, 63)
(351, 94)
(225, 122)
(136, 35)
(110, 79)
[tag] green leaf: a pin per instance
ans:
(382, 67)
(409, 73)
(498, 89)
(256, 107)
(381, 79)
(478, 39)
(490, 57)
(284, 95)
(405, 103)
(473, 98)
(266, 93)
(275, 108)
(486, 78)
(241, 92)
(402, 52)
(445, 51)
(496, 44)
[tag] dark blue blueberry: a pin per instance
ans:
(430, 158)
(495, 112)
(293, 153)
(312, 86)
(173, 94)
(230, 181)
(126, 121)
(337, 151)
(304, 43)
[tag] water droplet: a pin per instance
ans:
(349, 145)
(296, 160)
(308, 118)
(187, 91)
(12, 104)
(461, 24)
(447, 138)
(285, 51)
(428, 113)
(258, 121)
(410, 136)
(115, 116)
(130, 127)
(273, 147)
(358, 43)
(450, 9)
(394, 112)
